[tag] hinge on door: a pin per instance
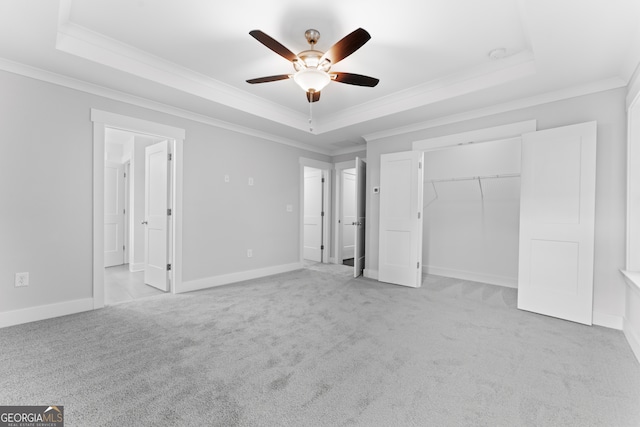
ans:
(418, 264)
(169, 212)
(169, 157)
(168, 267)
(322, 247)
(124, 211)
(125, 174)
(419, 165)
(321, 213)
(418, 215)
(322, 180)
(123, 248)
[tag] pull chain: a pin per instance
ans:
(311, 116)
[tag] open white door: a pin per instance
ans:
(400, 250)
(349, 215)
(361, 188)
(557, 212)
(113, 214)
(156, 204)
(313, 215)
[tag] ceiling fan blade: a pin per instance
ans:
(355, 79)
(274, 45)
(269, 79)
(345, 47)
(313, 96)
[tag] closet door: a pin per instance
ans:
(400, 248)
(557, 208)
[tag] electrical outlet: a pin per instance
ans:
(22, 279)
(289, 208)
(249, 253)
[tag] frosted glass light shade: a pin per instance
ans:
(311, 79)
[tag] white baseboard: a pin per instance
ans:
(136, 267)
(608, 320)
(632, 338)
(41, 312)
(225, 279)
(509, 282)
(370, 274)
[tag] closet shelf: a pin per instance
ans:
(474, 178)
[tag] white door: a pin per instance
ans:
(113, 214)
(348, 213)
(156, 204)
(361, 188)
(557, 209)
(313, 223)
(400, 246)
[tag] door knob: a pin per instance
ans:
(144, 223)
(356, 223)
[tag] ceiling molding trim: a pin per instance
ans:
(546, 98)
(488, 75)
(81, 42)
(633, 89)
(349, 150)
(93, 89)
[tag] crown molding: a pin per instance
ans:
(572, 92)
(490, 74)
(348, 150)
(83, 43)
(93, 89)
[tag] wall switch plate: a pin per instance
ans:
(226, 178)
(289, 208)
(22, 279)
(249, 253)
(250, 181)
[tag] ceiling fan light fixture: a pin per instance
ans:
(311, 79)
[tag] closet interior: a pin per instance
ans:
(472, 211)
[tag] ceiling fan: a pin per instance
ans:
(313, 66)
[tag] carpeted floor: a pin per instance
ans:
(316, 347)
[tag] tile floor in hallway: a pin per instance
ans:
(121, 285)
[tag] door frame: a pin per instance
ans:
(127, 210)
(326, 169)
(102, 120)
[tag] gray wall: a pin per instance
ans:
(608, 109)
(46, 188)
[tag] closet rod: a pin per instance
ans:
(473, 178)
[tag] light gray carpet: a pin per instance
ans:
(316, 347)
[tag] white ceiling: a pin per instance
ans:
(431, 57)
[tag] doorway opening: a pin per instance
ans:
(125, 182)
(349, 224)
(155, 200)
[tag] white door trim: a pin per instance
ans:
(101, 120)
(326, 173)
(478, 135)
